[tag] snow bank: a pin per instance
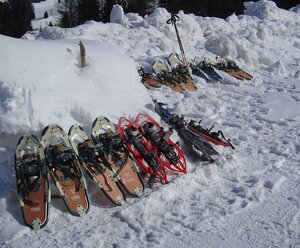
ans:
(45, 85)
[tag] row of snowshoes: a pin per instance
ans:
(193, 133)
(63, 157)
(109, 158)
(177, 76)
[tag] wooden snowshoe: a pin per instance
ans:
(170, 153)
(231, 68)
(142, 151)
(32, 181)
(167, 76)
(65, 170)
(149, 80)
(118, 157)
(95, 164)
(181, 71)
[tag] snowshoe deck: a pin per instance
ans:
(142, 151)
(32, 181)
(231, 68)
(171, 154)
(181, 72)
(149, 80)
(94, 164)
(65, 170)
(166, 76)
(104, 132)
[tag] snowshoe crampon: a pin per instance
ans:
(118, 157)
(32, 181)
(170, 153)
(149, 80)
(181, 71)
(167, 76)
(95, 164)
(142, 151)
(65, 170)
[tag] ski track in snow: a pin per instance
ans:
(248, 198)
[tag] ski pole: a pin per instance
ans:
(174, 18)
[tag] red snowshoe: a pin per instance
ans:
(142, 151)
(170, 153)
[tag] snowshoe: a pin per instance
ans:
(172, 156)
(121, 163)
(181, 71)
(231, 68)
(167, 76)
(142, 151)
(65, 169)
(95, 164)
(149, 80)
(216, 138)
(179, 124)
(32, 181)
(205, 66)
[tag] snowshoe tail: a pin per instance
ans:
(102, 176)
(32, 177)
(121, 162)
(66, 173)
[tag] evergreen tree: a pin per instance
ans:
(46, 15)
(88, 10)
(18, 17)
(69, 13)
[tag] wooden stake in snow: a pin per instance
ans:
(82, 55)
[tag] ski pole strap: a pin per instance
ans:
(174, 18)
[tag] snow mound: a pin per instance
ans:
(46, 85)
(117, 15)
(265, 9)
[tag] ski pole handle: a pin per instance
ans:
(174, 18)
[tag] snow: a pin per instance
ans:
(247, 198)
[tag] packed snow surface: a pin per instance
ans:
(249, 197)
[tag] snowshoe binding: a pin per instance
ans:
(167, 76)
(181, 71)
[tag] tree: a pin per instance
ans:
(69, 13)
(88, 10)
(15, 17)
